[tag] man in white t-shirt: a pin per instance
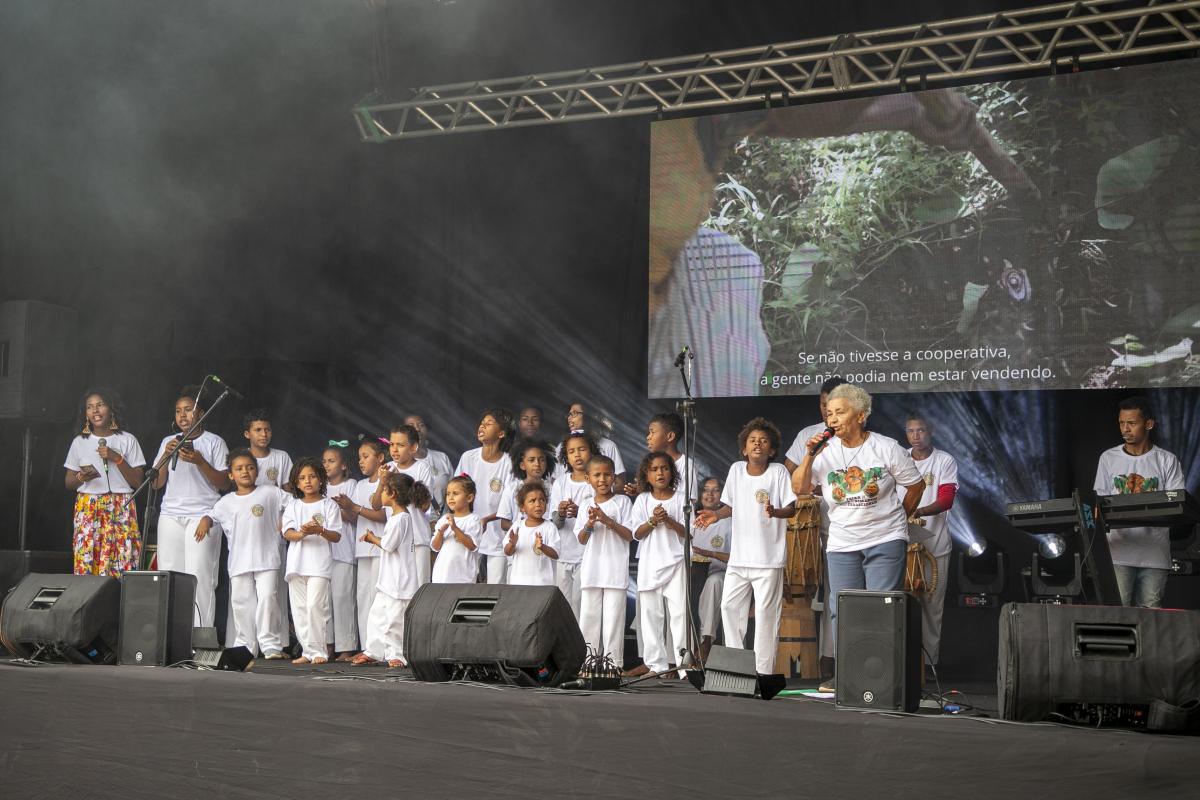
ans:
(1141, 556)
(929, 524)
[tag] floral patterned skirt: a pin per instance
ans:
(106, 534)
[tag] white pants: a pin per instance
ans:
(254, 611)
(341, 625)
(567, 577)
(367, 577)
(424, 558)
(602, 621)
(931, 612)
(497, 566)
(385, 629)
(282, 629)
(178, 551)
(666, 602)
(310, 604)
(710, 603)
(766, 587)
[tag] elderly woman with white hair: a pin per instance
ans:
(857, 473)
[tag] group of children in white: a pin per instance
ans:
(347, 555)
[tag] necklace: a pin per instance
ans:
(857, 450)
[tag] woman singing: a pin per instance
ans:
(104, 465)
(857, 472)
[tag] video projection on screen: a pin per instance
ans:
(1040, 233)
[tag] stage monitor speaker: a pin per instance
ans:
(37, 361)
(156, 618)
(1058, 655)
(878, 651)
(62, 617)
(16, 564)
(208, 652)
(525, 635)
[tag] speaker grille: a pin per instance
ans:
(878, 650)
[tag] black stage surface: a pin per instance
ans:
(132, 732)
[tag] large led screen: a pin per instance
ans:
(1039, 233)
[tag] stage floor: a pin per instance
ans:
(288, 732)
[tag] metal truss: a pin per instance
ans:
(1033, 39)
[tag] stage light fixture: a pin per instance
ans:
(1051, 545)
(976, 548)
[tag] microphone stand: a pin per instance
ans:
(152, 473)
(686, 651)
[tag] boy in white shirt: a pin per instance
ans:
(250, 517)
(1141, 556)
(930, 523)
(602, 529)
(758, 497)
(439, 463)
(274, 467)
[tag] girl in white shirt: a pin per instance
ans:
(456, 535)
(397, 576)
(532, 546)
(570, 492)
(712, 544)
(311, 523)
(658, 514)
(341, 628)
(531, 460)
(195, 475)
(103, 466)
(356, 507)
(488, 466)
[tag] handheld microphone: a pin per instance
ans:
(215, 379)
(103, 443)
(826, 435)
(175, 454)
(685, 353)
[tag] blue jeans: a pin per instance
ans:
(1141, 586)
(876, 569)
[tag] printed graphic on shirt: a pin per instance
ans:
(256, 510)
(1134, 484)
(273, 474)
(854, 486)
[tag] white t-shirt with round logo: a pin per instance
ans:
(1156, 470)
(312, 556)
(939, 469)
(252, 525)
(715, 537)
(83, 453)
(490, 479)
(188, 493)
(859, 488)
(758, 541)
(274, 469)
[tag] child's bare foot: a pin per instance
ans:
(395, 663)
(344, 657)
(362, 659)
(301, 660)
(320, 660)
